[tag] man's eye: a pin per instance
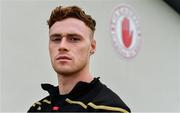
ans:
(73, 38)
(55, 39)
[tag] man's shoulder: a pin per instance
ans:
(107, 94)
(109, 100)
(37, 106)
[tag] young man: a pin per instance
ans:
(71, 44)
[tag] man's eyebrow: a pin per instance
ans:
(55, 34)
(73, 34)
(67, 34)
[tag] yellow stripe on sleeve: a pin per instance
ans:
(47, 101)
(76, 102)
(103, 107)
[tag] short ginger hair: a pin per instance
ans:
(60, 13)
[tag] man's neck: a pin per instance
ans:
(67, 83)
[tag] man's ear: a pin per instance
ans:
(93, 46)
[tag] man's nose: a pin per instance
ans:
(63, 45)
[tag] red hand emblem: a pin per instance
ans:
(126, 33)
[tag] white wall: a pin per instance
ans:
(0, 60)
(150, 82)
(179, 71)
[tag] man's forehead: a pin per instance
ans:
(69, 25)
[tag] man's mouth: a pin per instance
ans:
(62, 58)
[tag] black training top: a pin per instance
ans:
(85, 97)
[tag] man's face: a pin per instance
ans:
(70, 46)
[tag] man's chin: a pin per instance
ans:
(64, 73)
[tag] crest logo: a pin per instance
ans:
(127, 35)
(125, 31)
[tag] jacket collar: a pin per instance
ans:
(79, 89)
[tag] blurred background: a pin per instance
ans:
(150, 82)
